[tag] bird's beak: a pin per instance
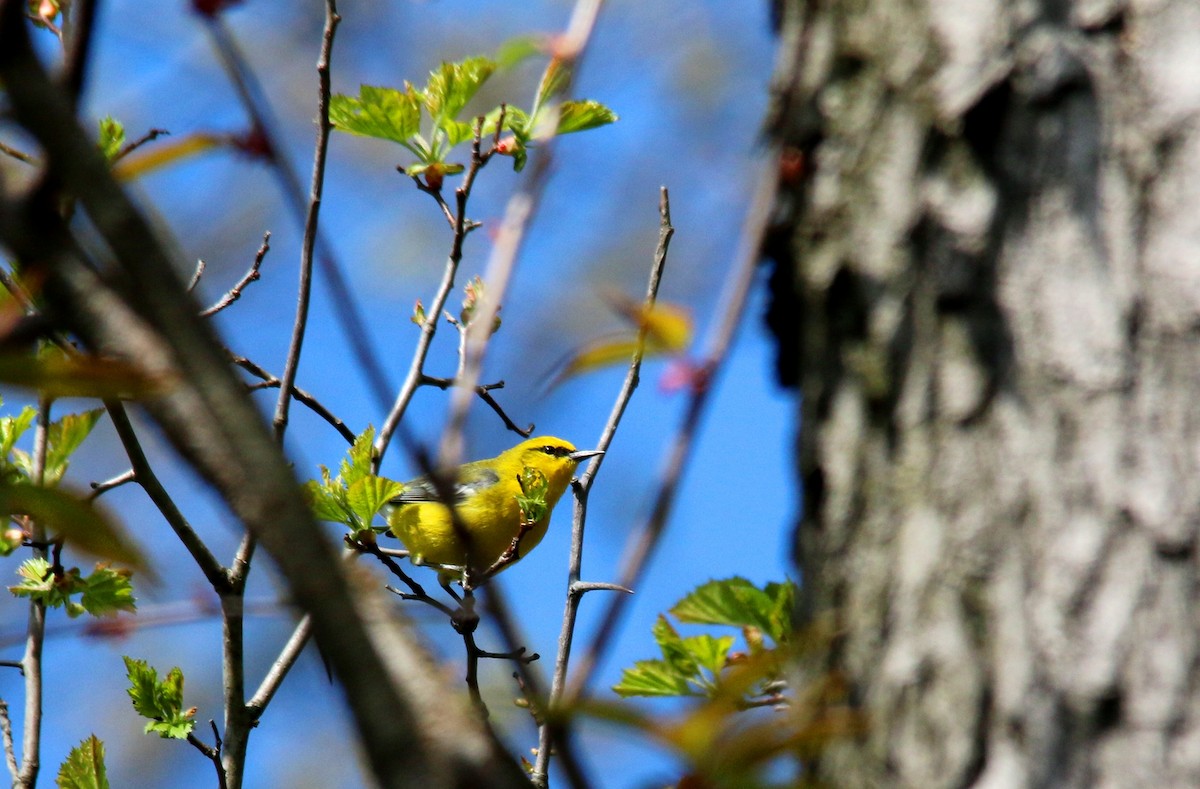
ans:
(584, 454)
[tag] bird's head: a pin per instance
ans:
(554, 457)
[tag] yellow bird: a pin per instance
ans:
(485, 501)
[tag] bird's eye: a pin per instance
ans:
(549, 450)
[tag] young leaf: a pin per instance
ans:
(554, 81)
(708, 652)
(515, 50)
(38, 582)
(384, 113)
(161, 702)
(652, 678)
(452, 85)
(369, 495)
(673, 649)
(737, 602)
(84, 767)
(577, 116)
(532, 500)
(357, 463)
(327, 500)
(63, 438)
(107, 591)
(11, 429)
(112, 137)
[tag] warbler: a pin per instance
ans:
(485, 502)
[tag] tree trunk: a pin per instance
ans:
(991, 239)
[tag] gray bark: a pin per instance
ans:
(996, 261)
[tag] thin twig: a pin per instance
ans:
(10, 748)
(99, 488)
(645, 540)
(503, 260)
(279, 669)
(35, 640)
(302, 396)
(20, 156)
(461, 227)
(200, 266)
(485, 394)
(235, 293)
(253, 99)
(213, 752)
(576, 587)
(129, 148)
(216, 574)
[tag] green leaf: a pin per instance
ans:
(53, 591)
(369, 495)
(84, 767)
(384, 113)
(652, 678)
(513, 51)
(458, 131)
(12, 427)
(673, 649)
(63, 438)
(108, 591)
(737, 602)
(515, 120)
(105, 591)
(452, 85)
(161, 702)
(708, 652)
(74, 518)
(532, 501)
(357, 463)
(112, 137)
(554, 81)
(577, 116)
(327, 500)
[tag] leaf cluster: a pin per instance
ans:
(355, 496)
(161, 702)
(105, 591)
(398, 115)
(694, 665)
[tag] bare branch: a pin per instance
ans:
(10, 748)
(254, 101)
(200, 266)
(252, 275)
(20, 156)
(129, 148)
(304, 397)
(416, 369)
(575, 587)
(279, 669)
(645, 540)
(143, 473)
(213, 753)
(99, 488)
(31, 743)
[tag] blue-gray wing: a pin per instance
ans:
(423, 489)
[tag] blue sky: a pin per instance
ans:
(689, 81)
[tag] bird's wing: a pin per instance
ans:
(469, 482)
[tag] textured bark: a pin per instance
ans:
(995, 250)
